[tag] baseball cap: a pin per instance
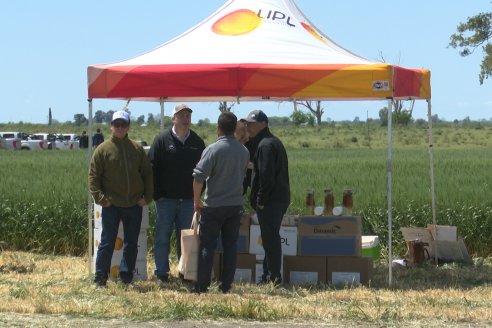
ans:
(180, 107)
(121, 115)
(257, 116)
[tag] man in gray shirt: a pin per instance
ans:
(223, 166)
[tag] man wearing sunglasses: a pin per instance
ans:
(120, 180)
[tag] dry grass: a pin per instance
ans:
(430, 296)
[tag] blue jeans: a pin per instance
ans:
(170, 213)
(270, 220)
(132, 220)
(214, 221)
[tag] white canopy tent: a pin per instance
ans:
(273, 53)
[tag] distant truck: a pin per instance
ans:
(68, 141)
(11, 140)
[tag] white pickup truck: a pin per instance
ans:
(19, 140)
(11, 140)
(67, 141)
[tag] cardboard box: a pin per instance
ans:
(288, 237)
(447, 233)
(447, 250)
(348, 270)
(330, 225)
(245, 268)
(327, 245)
(304, 269)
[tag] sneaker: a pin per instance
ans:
(199, 289)
(100, 282)
(126, 278)
(163, 278)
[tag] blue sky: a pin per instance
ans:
(47, 46)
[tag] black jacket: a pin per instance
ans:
(270, 177)
(173, 163)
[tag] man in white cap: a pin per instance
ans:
(174, 154)
(120, 180)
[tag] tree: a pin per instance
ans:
(299, 118)
(475, 32)
(224, 108)
(150, 119)
(50, 118)
(80, 119)
(99, 116)
(141, 119)
(315, 109)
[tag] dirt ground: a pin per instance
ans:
(58, 321)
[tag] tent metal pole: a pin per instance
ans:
(389, 170)
(432, 182)
(90, 242)
(162, 114)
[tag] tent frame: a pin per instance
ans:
(389, 174)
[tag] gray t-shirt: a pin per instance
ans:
(223, 166)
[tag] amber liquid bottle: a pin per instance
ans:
(347, 202)
(329, 203)
(310, 202)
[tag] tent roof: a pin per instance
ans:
(252, 50)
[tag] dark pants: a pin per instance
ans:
(270, 219)
(214, 221)
(132, 220)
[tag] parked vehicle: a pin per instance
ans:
(33, 144)
(11, 140)
(68, 141)
(48, 137)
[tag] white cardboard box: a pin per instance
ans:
(288, 236)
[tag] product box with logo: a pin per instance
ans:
(300, 270)
(288, 237)
(348, 270)
(329, 236)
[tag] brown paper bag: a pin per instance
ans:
(190, 250)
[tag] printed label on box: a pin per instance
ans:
(300, 277)
(349, 278)
(243, 275)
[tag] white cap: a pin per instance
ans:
(121, 115)
(180, 107)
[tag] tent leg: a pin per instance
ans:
(162, 114)
(389, 170)
(90, 242)
(432, 182)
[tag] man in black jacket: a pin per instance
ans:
(270, 190)
(174, 154)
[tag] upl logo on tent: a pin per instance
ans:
(244, 21)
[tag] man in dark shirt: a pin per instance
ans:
(270, 190)
(173, 155)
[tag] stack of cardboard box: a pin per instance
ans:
(140, 272)
(315, 249)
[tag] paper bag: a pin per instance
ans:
(190, 250)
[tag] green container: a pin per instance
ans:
(371, 247)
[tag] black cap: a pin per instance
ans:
(257, 116)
